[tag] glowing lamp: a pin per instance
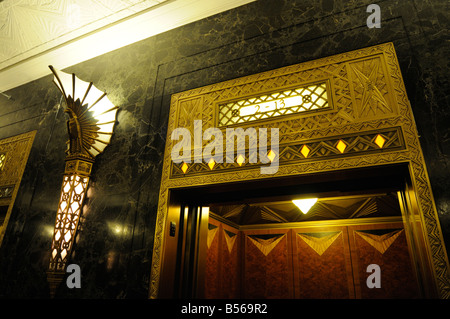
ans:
(304, 204)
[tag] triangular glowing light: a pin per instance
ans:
(305, 204)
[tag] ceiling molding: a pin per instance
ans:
(135, 27)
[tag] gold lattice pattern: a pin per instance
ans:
(303, 99)
(67, 218)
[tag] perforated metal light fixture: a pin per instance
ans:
(92, 117)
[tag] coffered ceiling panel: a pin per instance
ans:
(350, 207)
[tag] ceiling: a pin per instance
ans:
(36, 33)
(346, 207)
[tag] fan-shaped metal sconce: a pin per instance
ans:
(90, 126)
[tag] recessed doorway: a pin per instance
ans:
(250, 240)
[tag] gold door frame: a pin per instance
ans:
(16, 150)
(367, 98)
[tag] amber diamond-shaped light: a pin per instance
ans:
(271, 155)
(341, 146)
(211, 163)
(305, 151)
(184, 168)
(380, 140)
(240, 160)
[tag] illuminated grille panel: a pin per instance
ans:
(292, 101)
(67, 218)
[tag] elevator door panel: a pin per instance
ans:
(230, 267)
(322, 263)
(386, 246)
(222, 271)
(267, 265)
(319, 262)
(212, 267)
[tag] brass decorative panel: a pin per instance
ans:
(77, 166)
(14, 152)
(6, 191)
(368, 122)
(354, 144)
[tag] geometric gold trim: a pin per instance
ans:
(211, 235)
(6, 191)
(230, 239)
(266, 245)
(81, 167)
(2, 160)
(380, 242)
(319, 244)
(15, 151)
(355, 144)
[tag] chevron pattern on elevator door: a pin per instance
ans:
(230, 239)
(319, 242)
(380, 242)
(212, 230)
(265, 245)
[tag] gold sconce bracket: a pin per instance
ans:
(92, 117)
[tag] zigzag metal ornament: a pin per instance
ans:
(266, 245)
(320, 244)
(380, 242)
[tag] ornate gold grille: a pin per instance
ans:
(302, 99)
(67, 218)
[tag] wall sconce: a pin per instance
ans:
(90, 126)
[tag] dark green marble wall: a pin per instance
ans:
(114, 247)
